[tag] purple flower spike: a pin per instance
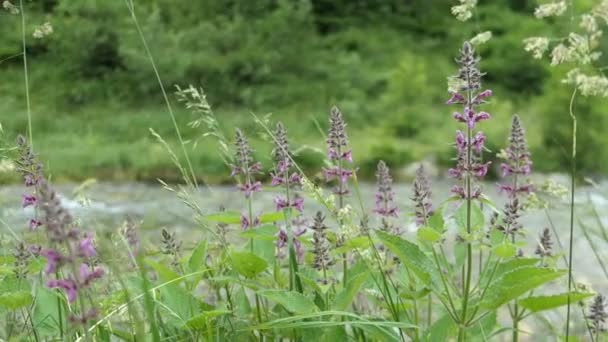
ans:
(422, 197)
(385, 205)
(338, 152)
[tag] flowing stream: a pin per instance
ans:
(106, 205)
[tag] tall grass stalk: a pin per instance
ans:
(131, 6)
(572, 190)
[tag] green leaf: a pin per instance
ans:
(228, 217)
(179, 304)
(436, 221)
(441, 330)
(45, 312)
(15, 300)
(477, 218)
(346, 296)
(199, 322)
(428, 234)
(248, 264)
(541, 303)
(414, 294)
(273, 217)
(409, 254)
(515, 283)
(197, 258)
(292, 301)
(505, 250)
(506, 267)
(355, 243)
(267, 232)
(482, 331)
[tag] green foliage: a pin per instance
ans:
(513, 284)
(247, 264)
(541, 303)
(104, 98)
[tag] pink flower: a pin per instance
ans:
(30, 180)
(28, 200)
(479, 99)
(248, 188)
(68, 285)
(478, 142)
(34, 224)
(53, 260)
(245, 224)
(87, 276)
(461, 141)
(86, 246)
(456, 99)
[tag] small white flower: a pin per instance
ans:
(12, 9)
(536, 45)
(601, 10)
(551, 9)
(463, 12)
(455, 84)
(560, 54)
(588, 23)
(481, 38)
(43, 30)
(588, 85)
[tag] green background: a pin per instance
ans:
(383, 62)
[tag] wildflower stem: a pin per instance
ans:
(572, 189)
(469, 262)
(26, 76)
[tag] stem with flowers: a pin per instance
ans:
(283, 176)
(246, 166)
(468, 165)
(338, 152)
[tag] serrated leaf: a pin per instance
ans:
(15, 300)
(477, 218)
(505, 250)
(428, 234)
(228, 217)
(197, 258)
(248, 264)
(293, 302)
(346, 296)
(266, 232)
(517, 282)
(436, 221)
(507, 266)
(541, 303)
(409, 254)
